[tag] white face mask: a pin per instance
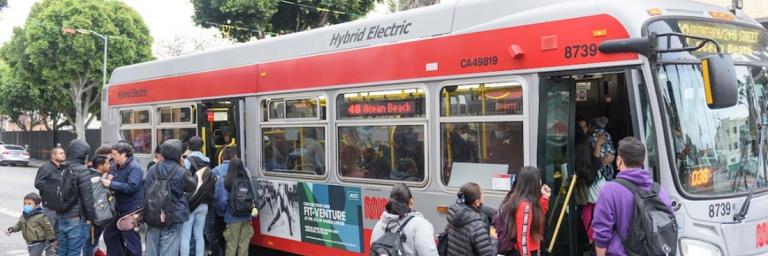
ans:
(464, 136)
(498, 134)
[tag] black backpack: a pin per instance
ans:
(653, 230)
(158, 206)
(204, 192)
(59, 191)
(391, 243)
(241, 197)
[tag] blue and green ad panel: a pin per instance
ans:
(333, 223)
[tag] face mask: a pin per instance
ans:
(465, 136)
(27, 209)
(499, 134)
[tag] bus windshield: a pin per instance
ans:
(714, 150)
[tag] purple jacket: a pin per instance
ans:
(615, 209)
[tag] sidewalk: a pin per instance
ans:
(36, 163)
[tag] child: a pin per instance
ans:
(34, 226)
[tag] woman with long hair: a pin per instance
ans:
(418, 231)
(469, 231)
(529, 203)
(238, 230)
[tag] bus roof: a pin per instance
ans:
(463, 16)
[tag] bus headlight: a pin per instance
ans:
(693, 247)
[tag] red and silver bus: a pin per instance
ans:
(328, 119)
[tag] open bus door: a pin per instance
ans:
(219, 127)
(556, 159)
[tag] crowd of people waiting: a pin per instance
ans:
(517, 227)
(185, 204)
(188, 209)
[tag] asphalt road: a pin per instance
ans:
(15, 183)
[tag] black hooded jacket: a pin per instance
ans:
(77, 152)
(469, 233)
(180, 183)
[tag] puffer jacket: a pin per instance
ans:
(419, 233)
(34, 227)
(469, 232)
(179, 184)
(127, 185)
(77, 152)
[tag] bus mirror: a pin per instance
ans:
(720, 82)
(641, 45)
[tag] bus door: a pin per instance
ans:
(219, 127)
(556, 131)
(575, 107)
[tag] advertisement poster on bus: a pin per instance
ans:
(334, 223)
(279, 209)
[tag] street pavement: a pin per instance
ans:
(15, 183)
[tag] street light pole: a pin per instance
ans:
(106, 42)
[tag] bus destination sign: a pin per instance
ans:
(733, 39)
(381, 108)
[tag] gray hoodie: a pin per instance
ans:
(419, 233)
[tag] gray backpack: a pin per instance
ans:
(391, 243)
(104, 204)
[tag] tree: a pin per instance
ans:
(68, 67)
(182, 44)
(402, 5)
(243, 20)
(3, 4)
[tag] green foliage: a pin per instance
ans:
(64, 71)
(249, 18)
(3, 4)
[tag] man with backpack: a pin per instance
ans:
(165, 206)
(199, 201)
(104, 204)
(127, 183)
(50, 168)
(74, 205)
(633, 216)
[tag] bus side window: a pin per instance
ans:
(481, 132)
(293, 136)
(136, 127)
(390, 145)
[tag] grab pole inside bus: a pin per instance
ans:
(562, 214)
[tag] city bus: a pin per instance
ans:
(327, 120)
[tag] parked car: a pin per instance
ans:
(13, 155)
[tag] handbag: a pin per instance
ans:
(442, 242)
(594, 190)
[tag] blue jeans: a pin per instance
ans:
(194, 226)
(163, 241)
(72, 236)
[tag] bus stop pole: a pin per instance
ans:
(562, 213)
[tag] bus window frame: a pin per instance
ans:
(191, 106)
(159, 124)
(286, 119)
(149, 125)
(525, 118)
(266, 122)
(424, 121)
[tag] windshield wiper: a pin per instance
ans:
(742, 214)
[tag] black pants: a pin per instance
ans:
(214, 233)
